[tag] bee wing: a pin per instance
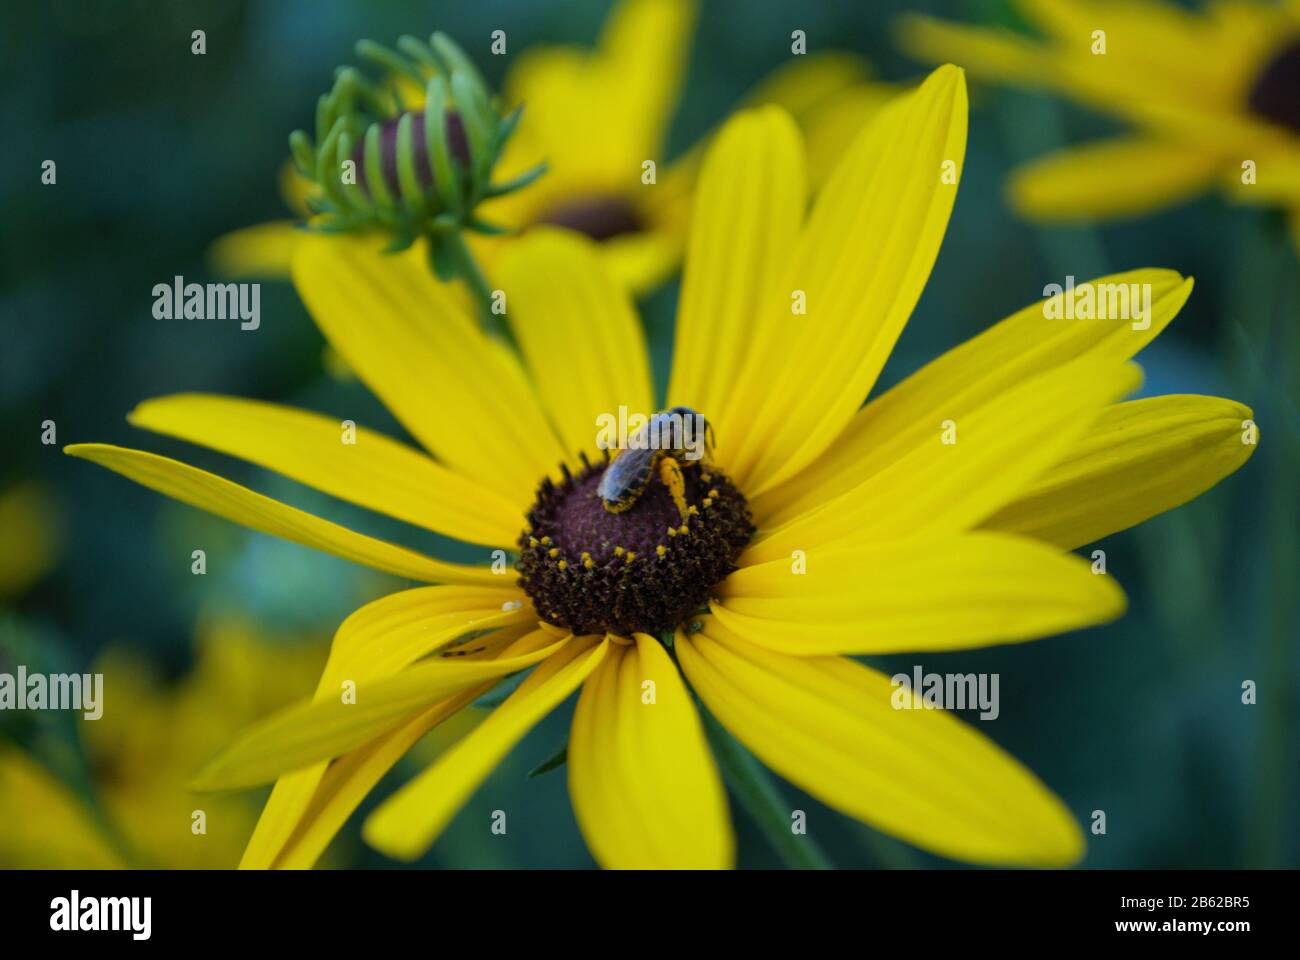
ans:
(626, 472)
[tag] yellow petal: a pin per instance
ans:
(1276, 181)
(1235, 134)
(827, 97)
(566, 99)
(1126, 176)
(284, 807)
(46, 825)
(989, 53)
(1152, 46)
(393, 632)
(830, 99)
(462, 395)
(377, 641)
(643, 261)
(645, 44)
(327, 728)
(297, 190)
(965, 378)
(969, 467)
(218, 496)
(408, 822)
(860, 264)
(827, 724)
(807, 87)
(375, 471)
(805, 83)
(595, 115)
(643, 783)
(949, 593)
(748, 207)
(1140, 459)
(264, 250)
(831, 127)
(578, 331)
(1155, 31)
(1156, 48)
(350, 778)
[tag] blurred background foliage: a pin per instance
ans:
(160, 151)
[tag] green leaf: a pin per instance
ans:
(554, 763)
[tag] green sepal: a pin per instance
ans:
(516, 183)
(400, 242)
(419, 51)
(445, 180)
(489, 229)
(374, 166)
(444, 256)
(471, 115)
(394, 61)
(330, 224)
(356, 197)
(407, 178)
(304, 156)
(454, 58)
(506, 128)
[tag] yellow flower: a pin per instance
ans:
(596, 116)
(43, 824)
(31, 521)
(873, 534)
(1214, 98)
(142, 752)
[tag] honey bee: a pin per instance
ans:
(632, 468)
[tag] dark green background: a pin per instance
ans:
(160, 151)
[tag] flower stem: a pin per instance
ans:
(758, 794)
(467, 269)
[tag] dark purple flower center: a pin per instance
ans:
(599, 217)
(1276, 92)
(643, 570)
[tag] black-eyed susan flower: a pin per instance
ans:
(135, 807)
(1213, 97)
(599, 120)
(818, 529)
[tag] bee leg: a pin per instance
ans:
(671, 476)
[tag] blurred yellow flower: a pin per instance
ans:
(597, 116)
(142, 753)
(1214, 98)
(818, 528)
(30, 537)
(44, 825)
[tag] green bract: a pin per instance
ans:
(384, 163)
